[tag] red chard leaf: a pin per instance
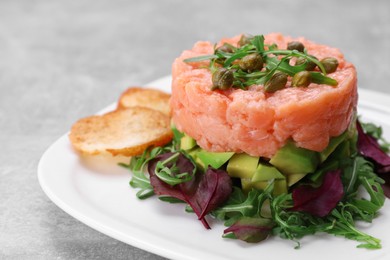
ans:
(319, 201)
(369, 147)
(214, 188)
(251, 230)
(204, 192)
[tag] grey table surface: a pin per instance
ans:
(63, 60)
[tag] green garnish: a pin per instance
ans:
(171, 174)
(254, 63)
(253, 215)
(140, 180)
(294, 225)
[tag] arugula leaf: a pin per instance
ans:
(319, 78)
(201, 58)
(175, 169)
(344, 226)
(137, 166)
(258, 42)
(140, 181)
(239, 207)
(294, 224)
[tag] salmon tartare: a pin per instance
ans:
(254, 121)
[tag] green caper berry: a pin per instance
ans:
(251, 62)
(225, 48)
(245, 39)
(295, 46)
(220, 61)
(301, 79)
(310, 66)
(222, 79)
(276, 82)
(330, 64)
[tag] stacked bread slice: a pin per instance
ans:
(141, 120)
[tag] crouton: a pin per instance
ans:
(145, 97)
(128, 132)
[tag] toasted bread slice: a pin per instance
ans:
(145, 97)
(125, 132)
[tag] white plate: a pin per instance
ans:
(96, 192)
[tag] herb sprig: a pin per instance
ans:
(230, 68)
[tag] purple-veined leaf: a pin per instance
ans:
(204, 192)
(369, 147)
(319, 201)
(251, 230)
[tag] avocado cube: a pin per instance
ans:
(291, 159)
(194, 155)
(280, 186)
(342, 151)
(215, 160)
(266, 172)
(294, 178)
(247, 185)
(242, 166)
(187, 142)
(333, 143)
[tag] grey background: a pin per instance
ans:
(63, 60)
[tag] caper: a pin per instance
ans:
(295, 46)
(251, 62)
(301, 79)
(225, 48)
(245, 39)
(222, 79)
(330, 64)
(276, 82)
(309, 64)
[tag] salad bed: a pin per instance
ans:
(346, 186)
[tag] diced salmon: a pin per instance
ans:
(256, 122)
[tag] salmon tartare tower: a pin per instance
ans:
(253, 120)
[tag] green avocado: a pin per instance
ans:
(215, 160)
(194, 155)
(266, 172)
(294, 178)
(342, 151)
(187, 142)
(280, 186)
(242, 166)
(291, 159)
(333, 143)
